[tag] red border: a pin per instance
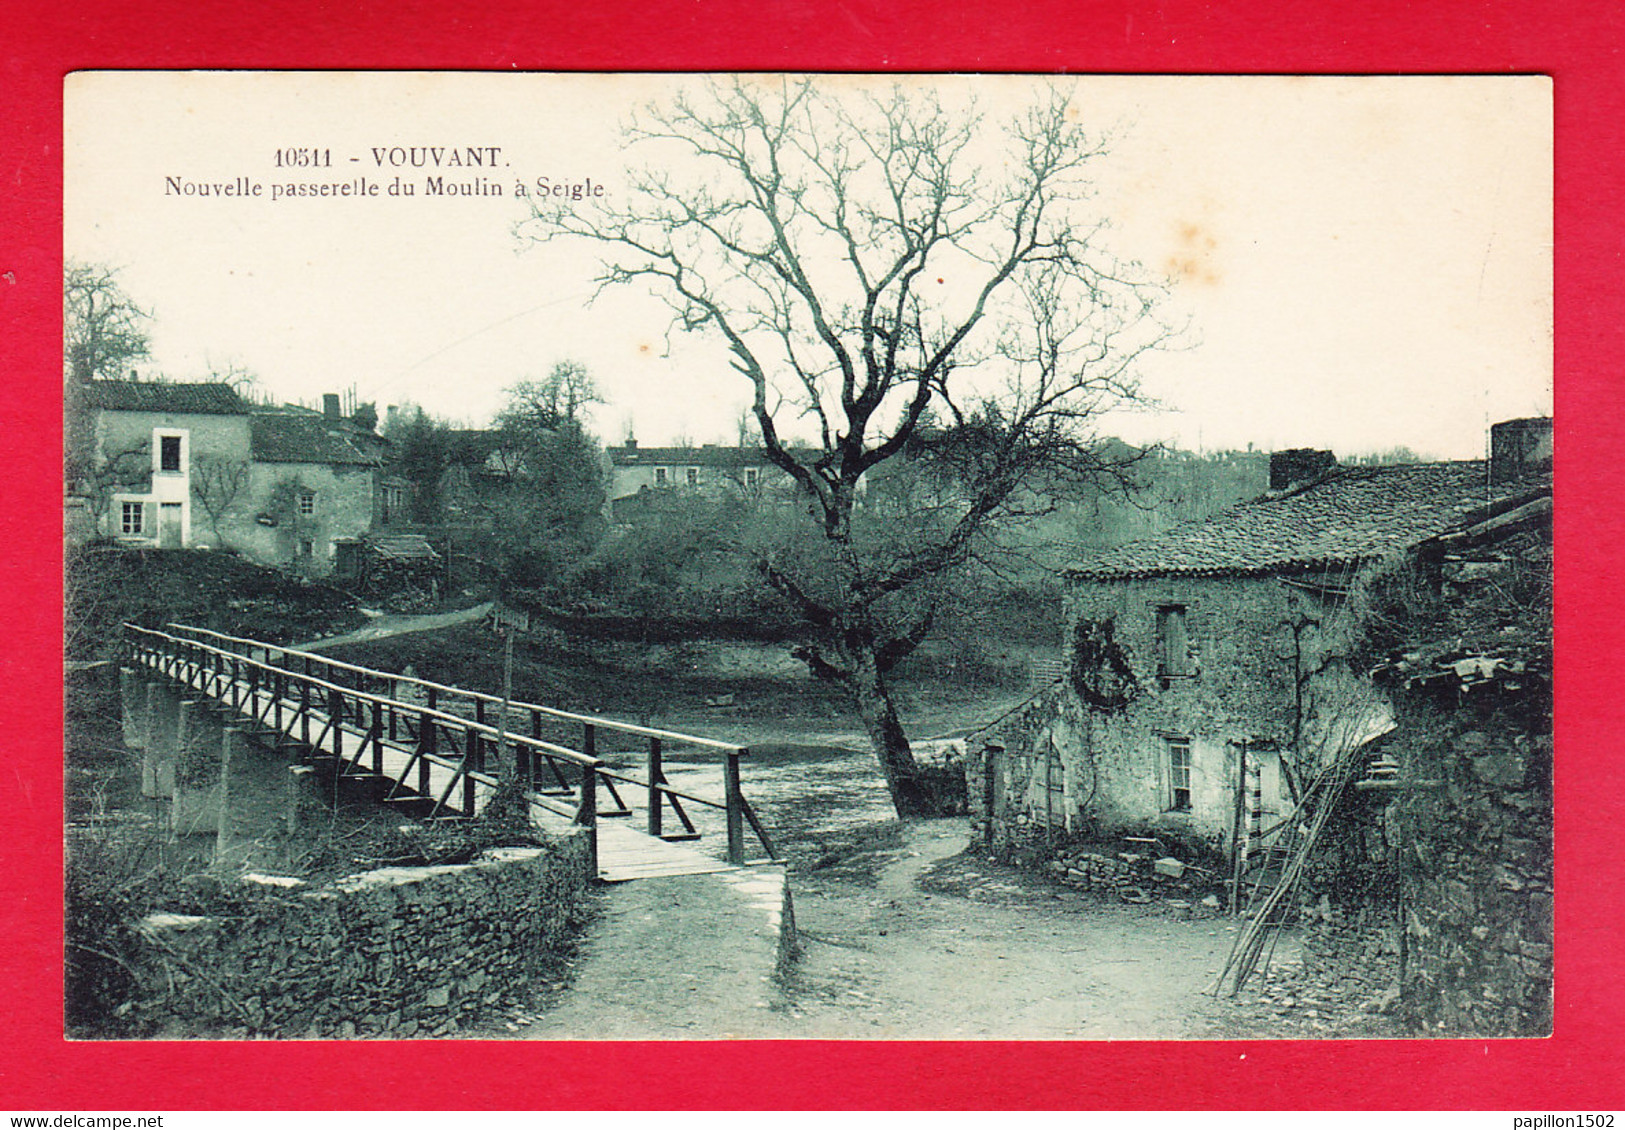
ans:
(1581, 1067)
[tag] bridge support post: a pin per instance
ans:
(734, 799)
(184, 803)
(158, 741)
(656, 776)
(230, 739)
(304, 797)
(132, 702)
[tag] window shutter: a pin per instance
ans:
(149, 520)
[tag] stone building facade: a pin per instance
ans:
(641, 479)
(133, 447)
(155, 464)
(1207, 668)
(312, 483)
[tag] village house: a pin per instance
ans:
(312, 487)
(636, 474)
(166, 465)
(641, 479)
(131, 450)
(1207, 678)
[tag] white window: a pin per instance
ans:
(307, 503)
(169, 454)
(1179, 774)
(693, 476)
(751, 474)
(660, 476)
(130, 518)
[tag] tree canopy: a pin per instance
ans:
(103, 329)
(909, 282)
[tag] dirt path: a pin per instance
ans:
(948, 946)
(931, 945)
(386, 626)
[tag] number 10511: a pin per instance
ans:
(304, 158)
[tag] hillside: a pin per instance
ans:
(105, 587)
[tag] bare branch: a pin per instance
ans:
(945, 314)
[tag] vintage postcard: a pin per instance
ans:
(671, 556)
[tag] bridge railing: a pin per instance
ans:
(447, 722)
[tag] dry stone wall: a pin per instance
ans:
(1475, 861)
(399, 952)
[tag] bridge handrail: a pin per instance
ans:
(738, 810)
(464, 692)
(484, 728)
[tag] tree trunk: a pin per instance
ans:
(909, 794)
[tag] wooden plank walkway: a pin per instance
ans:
(625, 853)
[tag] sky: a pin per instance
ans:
(1363, 263)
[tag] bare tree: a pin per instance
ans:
(218, 485)
(548, 403)
(236, 376)
(873, 265)
(97, 478)
(103, 329)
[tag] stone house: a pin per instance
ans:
(1207, 674)
(156, 464)
(132, 449)
(312, 484)
(640, 477)
(634, 468)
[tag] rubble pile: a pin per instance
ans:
(1313, 997)
(1139, 877)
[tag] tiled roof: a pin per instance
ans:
(282, 437)
(1351, 514)
(403, 547)
(209, 398)
(710, 455)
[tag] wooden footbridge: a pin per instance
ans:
(436, 751)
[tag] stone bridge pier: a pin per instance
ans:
(208, 777)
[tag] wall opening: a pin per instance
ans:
(1178, 754)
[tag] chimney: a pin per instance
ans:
(1519, 448)
(1298, 465)
(631, 443)
(330, 407)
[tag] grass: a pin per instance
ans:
(107, 586)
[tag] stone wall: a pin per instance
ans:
(399, 952)
(344, 508)
(1440, 891)
(1475, 863)
(1352, 948)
